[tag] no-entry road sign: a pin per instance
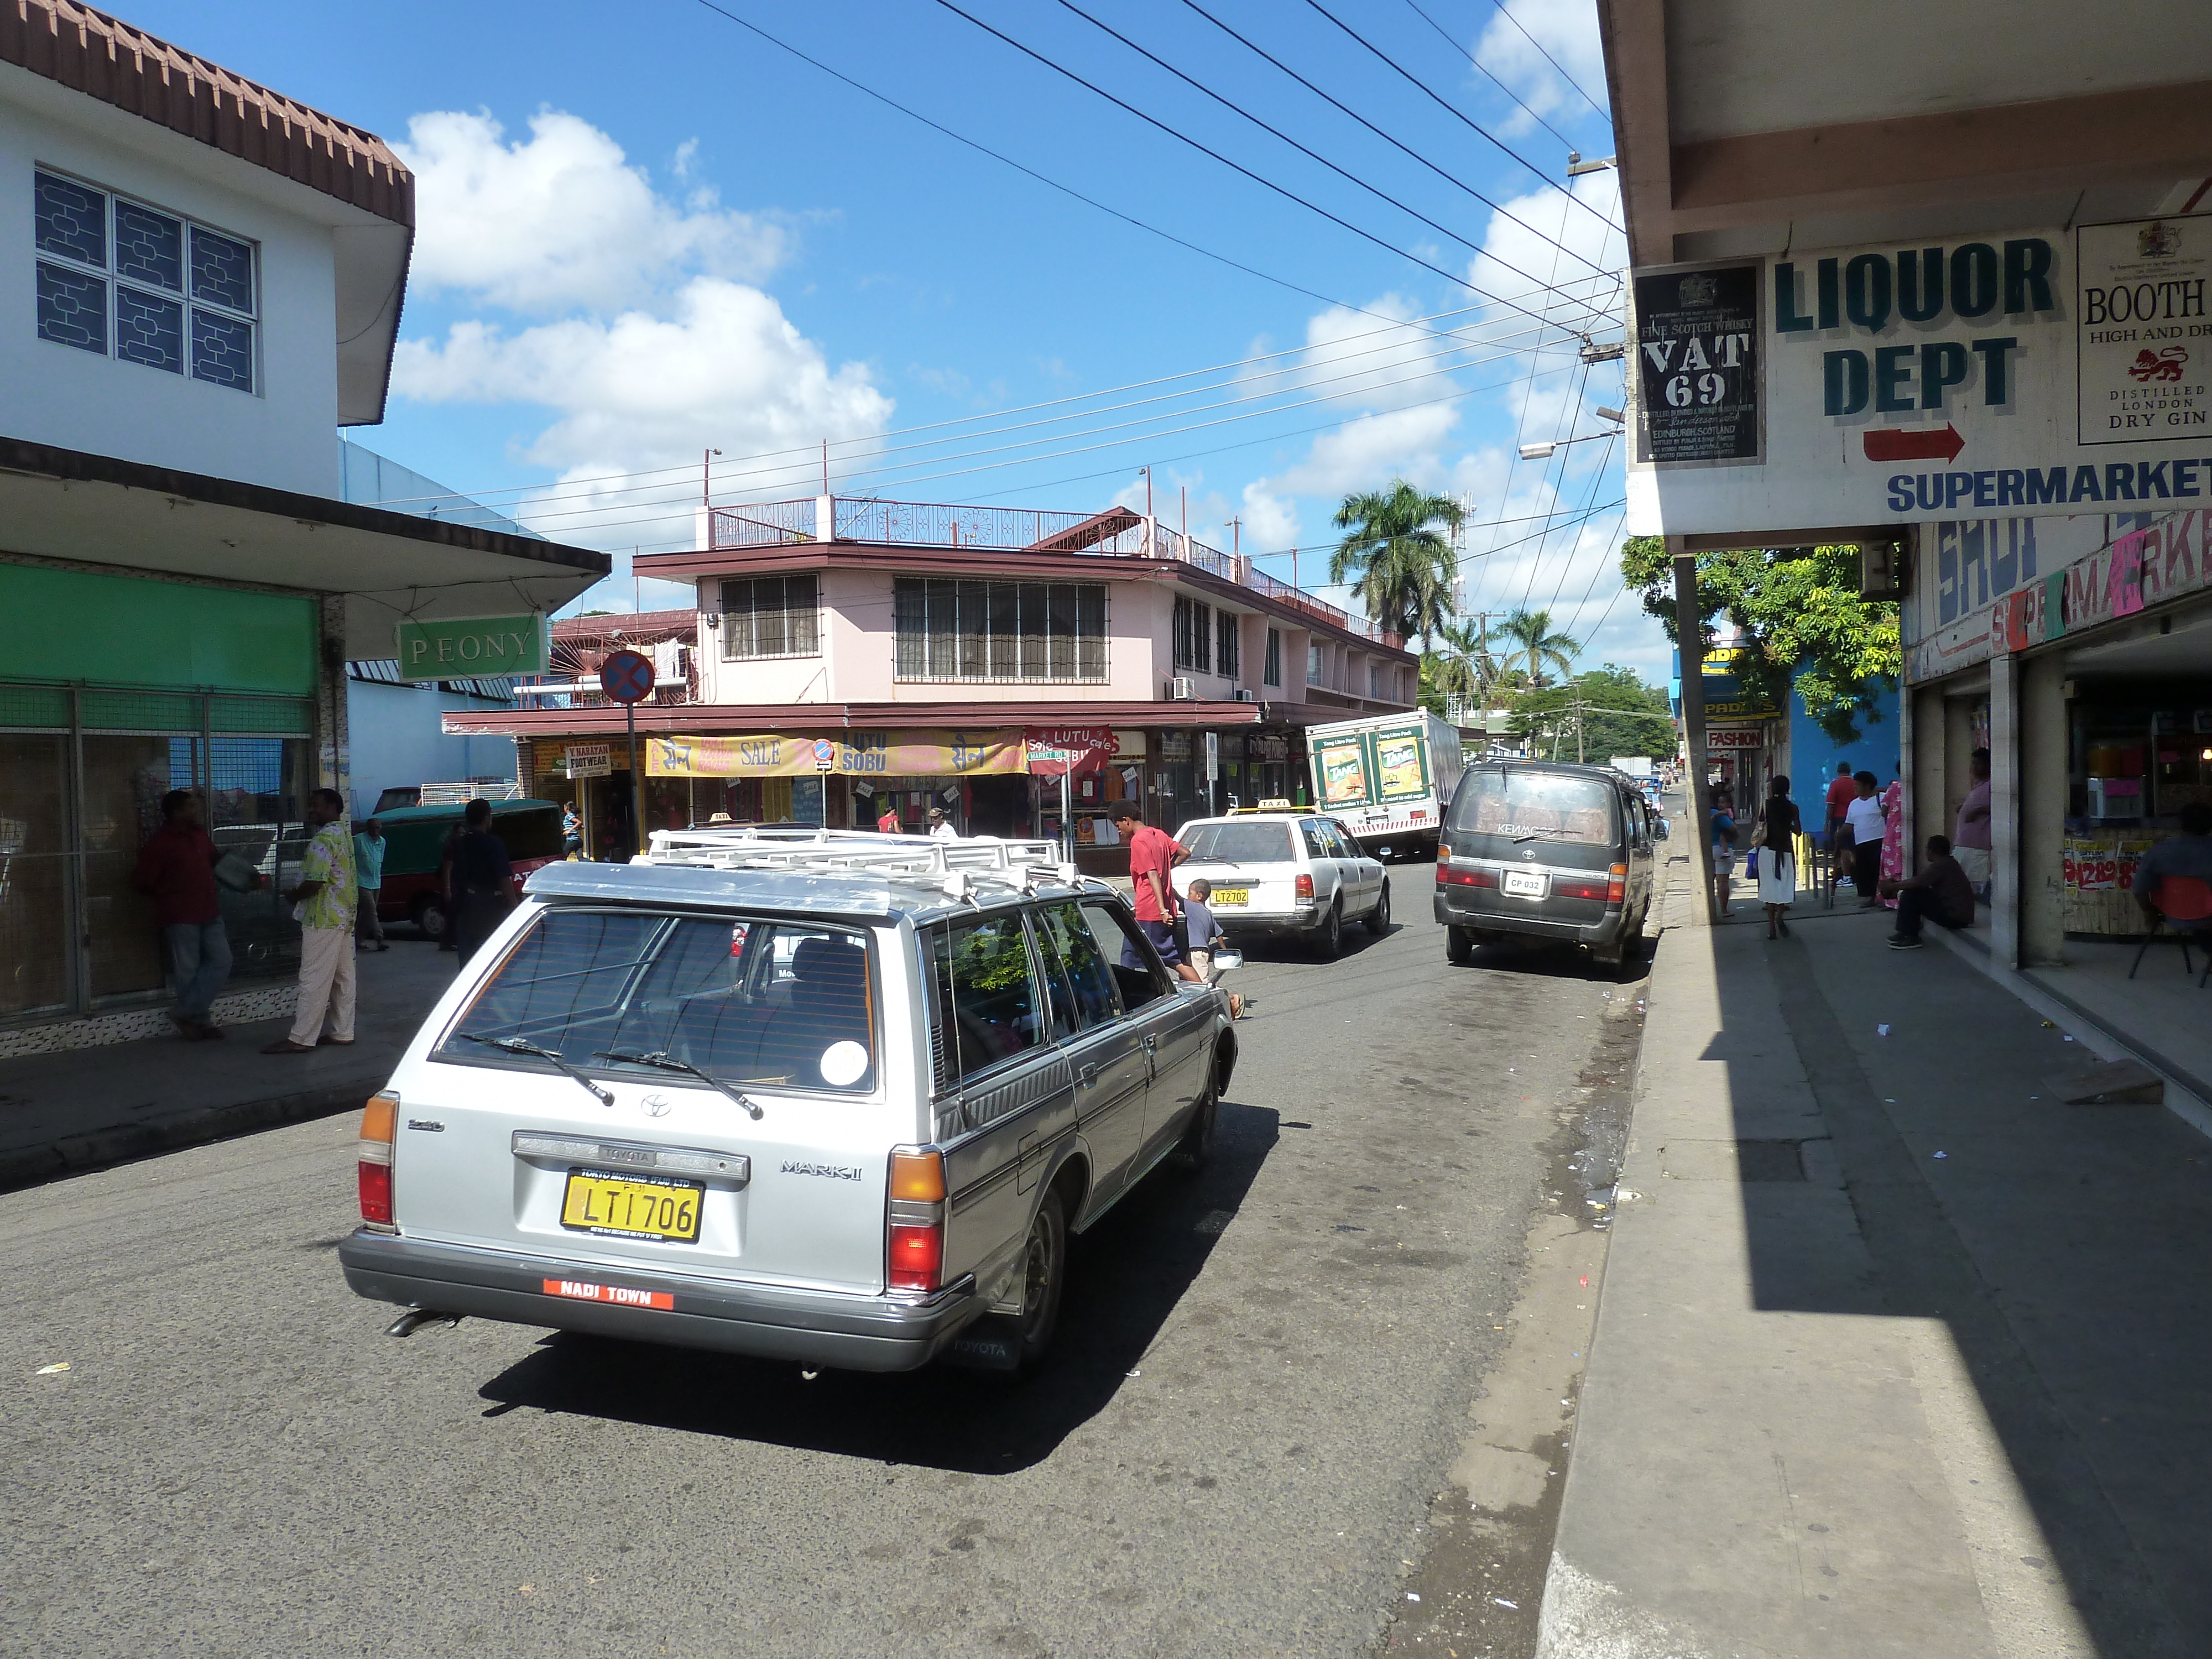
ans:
(627, 677)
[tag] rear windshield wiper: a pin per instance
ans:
(660, 1060)
(518, 1046)
(1533, 833)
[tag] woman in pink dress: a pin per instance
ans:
(1893, 834)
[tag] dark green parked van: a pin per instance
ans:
(415, 851)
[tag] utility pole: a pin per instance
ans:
(1689, 631)
(707, 477)
(825, 466)
(1580, 757)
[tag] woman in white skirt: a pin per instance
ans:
(1777, 855)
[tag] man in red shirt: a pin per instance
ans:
(1842, 792)
(1153, 855)
(176, 866)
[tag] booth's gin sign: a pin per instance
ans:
(1697, 356)
(2145, 339)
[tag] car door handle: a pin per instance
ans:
(1085, 1076)
(1151, 1044)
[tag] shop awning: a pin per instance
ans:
(64, 504)
(721, 719)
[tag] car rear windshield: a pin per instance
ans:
(1258, 841)
(532, 833)
(752, 1001)
(1530, 804)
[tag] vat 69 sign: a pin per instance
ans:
(2048, 372)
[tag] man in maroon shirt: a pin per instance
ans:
(176, 866)
(1153, 855)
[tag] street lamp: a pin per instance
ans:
(1577, 167)
(1543, 452)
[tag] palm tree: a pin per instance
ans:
(1465, 668)
(1534, 647)
(1404, 565)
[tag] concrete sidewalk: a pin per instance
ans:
(61, 1114)
(1895, 1354)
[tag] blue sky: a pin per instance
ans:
(645, 231)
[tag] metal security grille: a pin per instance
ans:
(948, 630)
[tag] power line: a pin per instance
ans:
(1450, 178)
(1604, 114)
(1453, 110)
(1453, 42)
(1237, 167)
(1265, 127)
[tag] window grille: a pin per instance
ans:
(1271, 668)
(121, 278)
(1226, 656)
(949, 629)
(1194, 635)
(771, 617)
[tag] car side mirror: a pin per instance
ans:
(1225, 960)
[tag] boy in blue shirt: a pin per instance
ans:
(1200, 931)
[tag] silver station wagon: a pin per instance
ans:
(825, 1097)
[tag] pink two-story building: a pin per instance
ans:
(926, 643)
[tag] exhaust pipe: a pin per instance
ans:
(415, 1318)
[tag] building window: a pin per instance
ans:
(126, 280)
(771, 617)
(1271, 668)
(1374, 682)
(948, 630)
(1226, 657)
(1316, 666)
(1194, 635)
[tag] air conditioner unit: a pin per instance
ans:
(1243, 694)
(1181, 691)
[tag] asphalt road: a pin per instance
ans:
(1261, 1381)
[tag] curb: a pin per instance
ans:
(122, 1143)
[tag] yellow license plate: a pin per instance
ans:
(632, 1207)
(1232, 895)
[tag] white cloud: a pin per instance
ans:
(1569, 33)
(561, 220)
(641, 391)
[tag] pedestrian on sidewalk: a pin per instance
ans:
(1940, 893)
(324, 904)
(1970, 832)
(572, 831)
(1723, 829)
(940, 826)
(1778, 829)
(1153, 855)
(368, 876)
(887, 821)
(1866, 825)
(176, 868)
(1843, 790)
(483, 880)
(1893, 834)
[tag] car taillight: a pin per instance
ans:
(1616, 884)
(1453, 874)
(379, 1126)
(1304, 888)
(914, 1233)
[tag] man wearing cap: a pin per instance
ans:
(940, 827)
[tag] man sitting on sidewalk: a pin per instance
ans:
(1941, 892)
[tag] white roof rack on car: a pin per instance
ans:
(959, 866)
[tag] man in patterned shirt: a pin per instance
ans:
(324, 904)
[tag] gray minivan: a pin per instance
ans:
(1548, 850)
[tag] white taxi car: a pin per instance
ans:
(1285, 874)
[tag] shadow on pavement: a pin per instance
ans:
(1126, 1276)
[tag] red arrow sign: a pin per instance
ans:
(1890, 444)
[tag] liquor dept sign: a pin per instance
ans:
(2054, 373)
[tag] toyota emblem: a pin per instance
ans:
(655, 1105)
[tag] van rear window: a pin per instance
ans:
(770, 1004)
(1254, 841)
(1535, 804)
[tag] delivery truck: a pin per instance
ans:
(1387, 779)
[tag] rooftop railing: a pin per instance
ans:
(1116, 534)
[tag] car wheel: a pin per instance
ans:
(1044, 1271)
(430, 916)
(1328, 937)
(1195, 1150)
(1378, 919)
(1459, 946)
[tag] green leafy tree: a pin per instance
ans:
(1463, 668)
(1399, 562)
(1618, 713)
(1532, 651)
(1797, 609)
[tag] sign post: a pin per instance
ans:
(627, 677)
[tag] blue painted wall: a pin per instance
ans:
(397, 738)
(1814, 755)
